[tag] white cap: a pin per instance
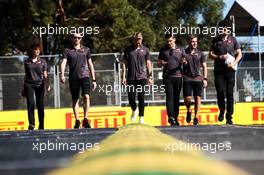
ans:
(79, 35)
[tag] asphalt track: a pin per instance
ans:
(20, 150)
(247, 143)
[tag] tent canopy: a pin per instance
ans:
(247, 14)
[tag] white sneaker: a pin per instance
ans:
(141, 120)
(133, 116)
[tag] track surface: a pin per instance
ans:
(20, 150)
(247, 143)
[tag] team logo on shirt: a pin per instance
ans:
(194, 54)
(31, 62)
(229, 41)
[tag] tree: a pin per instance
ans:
(196, 13)
(116, 19)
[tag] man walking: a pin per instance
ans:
(171, 58)
(222, 49)
(136, 60)
(193, 80)
(80, 63)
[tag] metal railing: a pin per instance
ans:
(110, 91)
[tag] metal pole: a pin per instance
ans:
(1, 94)
(204, 94)
(118, 79)
(153, 80)
(58, 86)
(260, 73)
(120, 84)
(116, 83)
(232, 18)
(54, 86)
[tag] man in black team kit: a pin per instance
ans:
(193, 80)
(79, 60)
(136, 59)
(223, 48)
(171, 58)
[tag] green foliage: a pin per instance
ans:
(117, 21)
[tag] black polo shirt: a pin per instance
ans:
(34, 71)
(77, 59)
(136, 62)
(192, 70)
(220, 47)
(173, 58)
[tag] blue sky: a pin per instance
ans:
(228, 5)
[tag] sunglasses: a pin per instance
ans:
(77, 37)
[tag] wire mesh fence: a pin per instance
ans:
(110, 92)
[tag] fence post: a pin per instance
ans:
(58, 86)
(260, 71)
(54, 87)
(1, 94)
(117, 80)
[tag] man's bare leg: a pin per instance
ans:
(86, 105)
(188, 103)
(75, 107)
(197, 105)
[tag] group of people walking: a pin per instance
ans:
(182, 69)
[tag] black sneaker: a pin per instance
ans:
(31, 127)
(229, 119)
(229, 122)
(188, 117)
(177, 123)
(173, 121)
(195, 121)
(221, 116)
(77, 124)
(41, 126)
(85, 123)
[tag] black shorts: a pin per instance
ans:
(75, 85)
(192, 86)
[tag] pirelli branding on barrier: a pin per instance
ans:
(13, 120)
(258, 114)
(15, 125)
(101, 119)
(113, 117)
